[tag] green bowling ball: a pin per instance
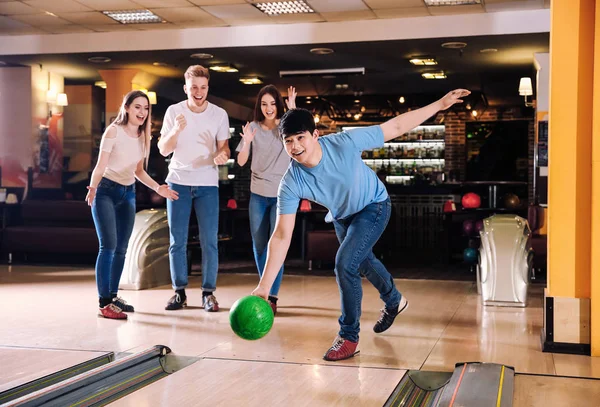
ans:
(251, 317)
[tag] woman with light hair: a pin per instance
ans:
(124, 151)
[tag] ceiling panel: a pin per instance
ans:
(376, 4)
(349, 15)
(66, 29)
(16, 7)
(297, 18)
(110, 4)
(179, 14)
(331, 6)
(454, 10)
(58, 6)
(216, 2)
(38, 20)
(87, 18)
(402, 12)
(163, 3)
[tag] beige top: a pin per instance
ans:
(125, 154)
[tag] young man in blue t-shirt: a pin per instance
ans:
(330, 171)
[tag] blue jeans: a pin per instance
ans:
(113, 211)
(263, 214)
(206, 205)
(358, 234)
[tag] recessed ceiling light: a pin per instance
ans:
(321, 51)
(356, 100)
(223, 68)
(401, 100)
(488, 50)
(202, 55)
(99, 60)
(451, 2)
(133, 16)
(341, 86)
(159, 64)
(284, 7)
(423, 61)
(434, 75)
(454, 45)
(251, 81)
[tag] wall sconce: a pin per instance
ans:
(62, 100)
(526, 89)
(152, 97)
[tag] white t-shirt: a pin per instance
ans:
(192, 161)
(125, 154)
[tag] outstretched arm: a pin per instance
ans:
(276, 253)
(405, 122)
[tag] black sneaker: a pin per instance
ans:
(389, 315)
(176, 302)
(121, 303)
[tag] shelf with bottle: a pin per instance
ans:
(405, 167)
(435, 132)
(406, 151)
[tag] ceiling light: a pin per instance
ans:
(423, 61)
(321, 72)
(474, 113)
(434, 75)
(401, 100)
(284, 7)
(133, 16)
(251, 81)
(51, 14)
(99, 60)
(454, 45)
(223, 68)
(202, 55)
(357, 116)
(321, 51)
(356, 100)
(451, 2)
(100, 84)
(341, 86)
(159, 64)
(317, 118)
(488, 50)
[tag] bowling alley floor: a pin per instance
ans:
(49, 321)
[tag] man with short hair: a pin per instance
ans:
(329, 171)
(197, 133)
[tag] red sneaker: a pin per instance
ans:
(111, 311)
(341, 349)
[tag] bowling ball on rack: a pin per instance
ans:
(471, 200)
(468, 227)
(511, 201)
(478, 225)
(470, 255)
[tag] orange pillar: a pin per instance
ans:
(118, 84)
(595, 266)
(570, 175)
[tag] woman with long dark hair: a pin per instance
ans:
(269, 163)
(124, 150)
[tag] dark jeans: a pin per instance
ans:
(113, 211)
(357, 235)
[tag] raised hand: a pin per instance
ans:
(91, 194)
(453, 97)
(180, 122)
(291, 100)
(248, 134)
(167, 192)
(221, 158)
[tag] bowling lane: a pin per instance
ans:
(221, 382)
